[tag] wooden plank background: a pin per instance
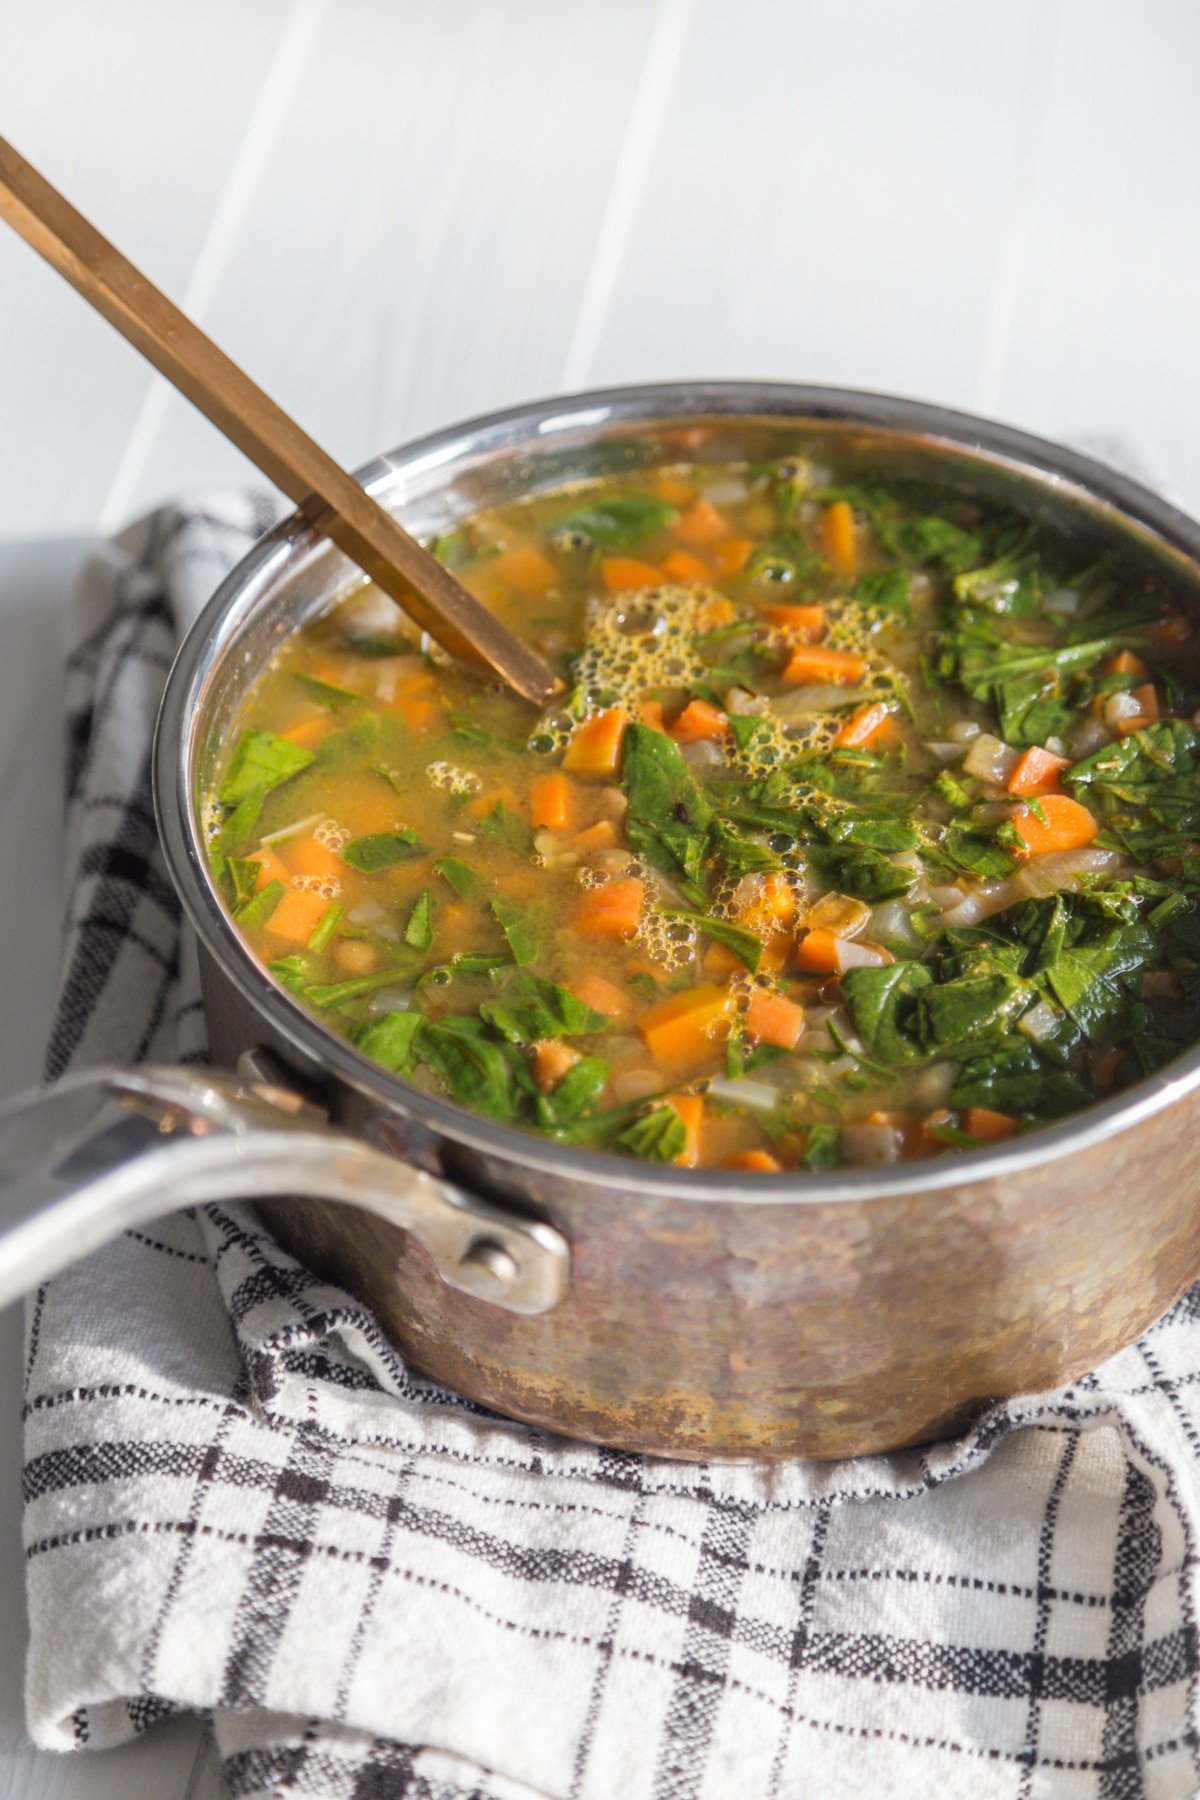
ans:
(401, 212)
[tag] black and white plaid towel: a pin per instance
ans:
(239, 1500)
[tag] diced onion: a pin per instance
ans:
(1120, 707)
(838, 913)
(1039, 1023)
(963, 731)
(634, 1084)
(850, 955)
(757, 1095)
(1061, 600)
(871, 1144)
(978, 903)
(741, 702)
(368, 913)
(989, 760)
(945, 753)
(817, 696)
(390, 1000)
(893, 920)
(1049, 874)
(931, 1087)
(946, 897)
(292, 830)
(702, 752)
(725, 490)
(1087, 737)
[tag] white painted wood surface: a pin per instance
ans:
(399, 213)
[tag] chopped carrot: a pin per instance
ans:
(600, 836)
(621, 572)
(837, 530)
(817, 952)
(270, 868)
(720, 961)
(772, 903)
(1036, 772)
(297, 915)
(844, 668)
(1147, 713)
(804, 622)
(868, 726)
(550, 802)
(309, 856)
(922, 1140)
(690, 1108)
(551, 1060)
(699, 720)
(480, 805)
(422, 715)
(702, 524)
(650, 713)
(981, 1122)
(759, 1162)
(684, 566)
(603, 997)
(524, 568)
(1126, 663)
(1068, 826)
(732, 555)
(715, 611)
(610, 911)
(310, 734)
(415, 683)
(774, 1019)
(674, 489)
(681, 1033)
(595, 746)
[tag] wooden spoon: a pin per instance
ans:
(330, 499)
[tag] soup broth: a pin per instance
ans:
(868, 826)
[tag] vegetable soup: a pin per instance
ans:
(868, 827)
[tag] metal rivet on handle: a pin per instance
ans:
(486, 1264)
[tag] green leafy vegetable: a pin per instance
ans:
(517, 926)
(741, 943)
(658, 1136)
(621, 522)
(260, 761)
(334, 699)
(326, 925)
(418, 933)
(383, 850)
(392, 1040)
(465, 882)
(530, 1008)
(253, 914)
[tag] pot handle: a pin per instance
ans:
(100, 1152)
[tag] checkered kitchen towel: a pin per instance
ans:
(239, 1501)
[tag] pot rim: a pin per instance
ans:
(1069, 471)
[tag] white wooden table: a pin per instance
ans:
(398, 213)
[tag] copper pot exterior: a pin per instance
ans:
(733, 1316)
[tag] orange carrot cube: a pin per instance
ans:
(619, 573)
(297, 915)
(1036, 772)
(595, 746)
(699, 720)
(838, 535)
(774, 1019)
(685, 567)
(611, 910)
(841, 668)
(690, 1108)
(682, 1033)
(1068, 826)
(702, 524)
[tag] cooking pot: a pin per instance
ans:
(690, 1313)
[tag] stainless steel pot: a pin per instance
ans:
(688, 1313)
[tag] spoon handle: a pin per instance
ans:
(329, 498)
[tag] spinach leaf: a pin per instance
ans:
(822, 1147)
(465, 882)
(882, 1006)
(1148, 778)
(337, 993)
(253, 914)
(531, 1008)
(890, 590)
(475, 1071)
(260, 761)
(392, 1040)
(293, 972)
(333, 699)
(505, 827)
(326, 925)
(977, 852)
(239, 829)
(514, 921)
(578, 1090)
(928, 540)
(618, 523)
(658, 1136)
(741, 943)
(858, 870)
(244, 871)
(418, 933)
(383, 850)
(668, 819)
